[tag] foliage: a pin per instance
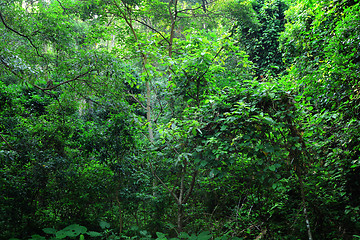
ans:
(179, 119)
(46, 167)
(260, 38)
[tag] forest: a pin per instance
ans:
(179, 119)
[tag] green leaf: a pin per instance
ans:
(183, 235)
(104, 224)
(203, 163)
(49, 230)
(71, 231)
(93, 234)
(160, 235)
(269, 120)
(272, 168)
(61, 234)
(204, 235)
(194, 132)
(37, 237)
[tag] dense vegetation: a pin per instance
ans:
(182, 119)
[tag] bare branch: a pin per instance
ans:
(20, 34)
(188, 193)
(6, 141)
(212, 61)
(9, 68)
(82, 95)
(162, 183)
(147, 25)
(68, 81)
(137, 100)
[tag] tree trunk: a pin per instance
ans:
(180, 217)
(148, 110)
(126, 15)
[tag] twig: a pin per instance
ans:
(137, 100)
(82, 95)
(212, 61)
(147, 25)
(191, 187)
(62, 83)
(261, 235)
(6, 141)
(20, 34)
(162, 183)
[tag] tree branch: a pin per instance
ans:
(137, 100)
(162, 183)
(8, 67)
(188, 193)
(6, 141)
(82, 95)
(20, 34)
(62, 83)
(147, 25)
(212, 61)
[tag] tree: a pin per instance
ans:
(179, 119)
